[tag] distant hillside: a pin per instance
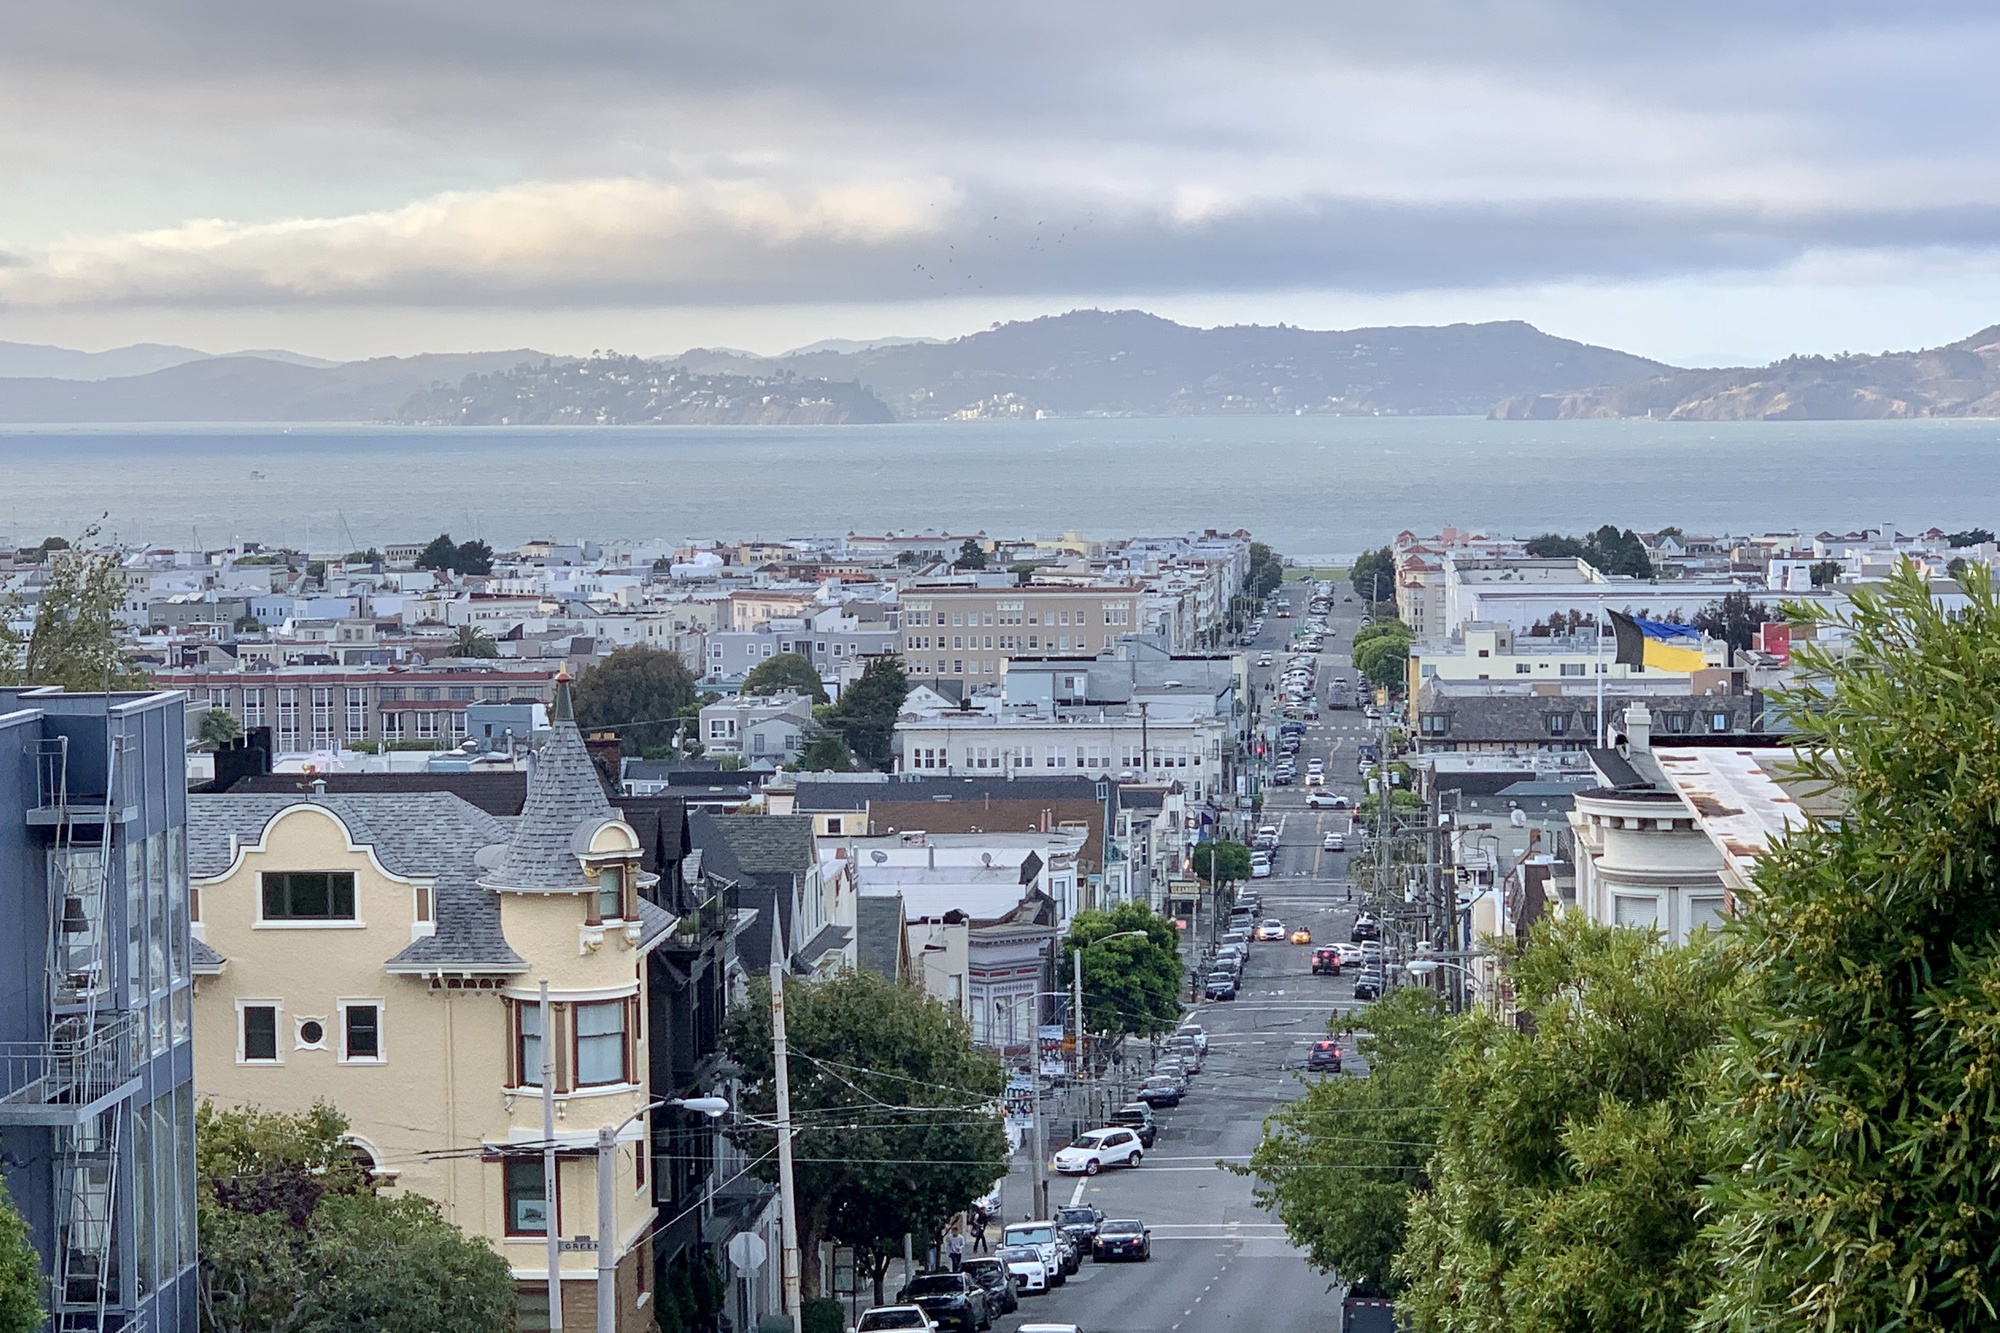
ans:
(1128, 362)
(626, 390)
(1087, 362)
(1961, 379)
(247, 388)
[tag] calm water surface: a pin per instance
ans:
(1307, 484)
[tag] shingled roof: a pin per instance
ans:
(422, 834)
(564, 798)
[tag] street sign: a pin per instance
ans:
(747, 1251)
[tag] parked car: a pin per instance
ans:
(1092, 1152)
(1365, 928)
(1324, 1055)
(1221, 986)
(1260, 866)
(1158, 1092)
(1041, 1237)
(1029, 1271)
(1122, 1238)
(895, 1316)
(1079, 1223)
(1368, 986)
(1326, 962)
(1138, 1117)
(1196, 1031)
(953, 1300)
(1189, 1054)
(1003, 1292)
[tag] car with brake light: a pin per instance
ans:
(1122, 1238)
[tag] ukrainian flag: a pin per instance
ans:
(1657, 645)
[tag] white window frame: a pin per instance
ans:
(381, 1056)
(277, 1028)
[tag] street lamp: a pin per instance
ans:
(607, 1209)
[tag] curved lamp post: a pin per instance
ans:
(607, 1208)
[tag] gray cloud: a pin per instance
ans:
(627, 153)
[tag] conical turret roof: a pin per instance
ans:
(565, 805)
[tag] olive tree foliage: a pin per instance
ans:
(1572, 1147)
(1860, 1093)
(1339, 1164)
(74, 637)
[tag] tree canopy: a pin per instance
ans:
(1971, 537)
(1734, 619)
(20, 1273)
(294, 1238)
(1222, 862)
(785, 671)
(1858, 1097)
(1132, 984)
(644, 692)
(441, 553)
(825, 752)
(1572, 1145)
(1381, 652)
(472, 641)
(1609, 550)
(1265, 572)
(1374, 575)
(865, 714)
(219, 727)
(971, 555)
(1338, 1165)
(893, 1105)
(75, 638)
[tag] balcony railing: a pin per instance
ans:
(67, 1079)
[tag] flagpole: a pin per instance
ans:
(1602, 734)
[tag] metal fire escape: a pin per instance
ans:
(74, 1080)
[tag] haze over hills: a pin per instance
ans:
(1960, 379)
(42, 361)
(1086, 362)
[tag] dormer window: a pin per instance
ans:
(611, 894)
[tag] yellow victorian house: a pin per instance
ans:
(385, 953)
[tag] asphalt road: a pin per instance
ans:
(1220, 1263)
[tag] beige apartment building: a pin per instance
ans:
(384, 954)
(970, 634)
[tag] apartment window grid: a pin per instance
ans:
(288, 718)
(427, 726)
(357, 711)
(322, 717)
(253, 708)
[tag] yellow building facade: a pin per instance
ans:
(385, 953)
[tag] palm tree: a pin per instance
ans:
(474, 642)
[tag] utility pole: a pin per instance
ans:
(1041, 1191)
(550, 1182)
(782, 1076)
(607, 1228)
(1076, 1009)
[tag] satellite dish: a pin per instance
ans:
(878, 856)
(986, 859)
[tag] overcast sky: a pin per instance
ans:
(1696, 180)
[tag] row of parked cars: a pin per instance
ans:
(1035, 1257)
(1225, 966)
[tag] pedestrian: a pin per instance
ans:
(954, 1246)
(978, 1229)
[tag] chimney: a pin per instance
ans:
(1639, 727)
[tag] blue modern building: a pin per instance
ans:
(96, 1014)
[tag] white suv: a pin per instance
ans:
(1092, 1152)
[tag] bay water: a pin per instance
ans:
(1308, 485)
